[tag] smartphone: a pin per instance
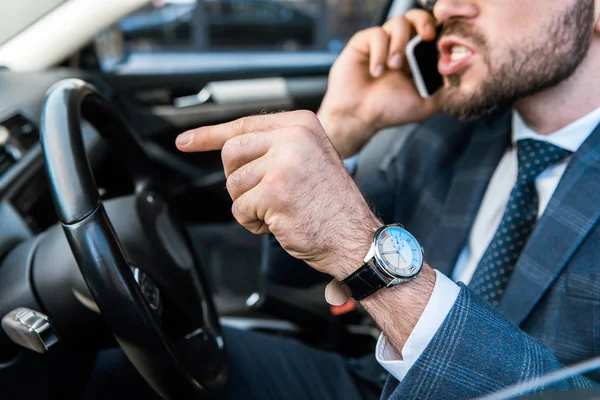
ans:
(423, 58)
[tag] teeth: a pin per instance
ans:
(459, 52)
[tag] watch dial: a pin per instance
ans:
(399, 252)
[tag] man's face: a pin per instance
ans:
(499, 51)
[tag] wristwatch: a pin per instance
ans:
(395, 257)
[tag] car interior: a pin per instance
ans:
(111, 237)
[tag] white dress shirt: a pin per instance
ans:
(445, 292)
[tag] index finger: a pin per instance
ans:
(214, 137)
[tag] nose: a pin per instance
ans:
(446, 9)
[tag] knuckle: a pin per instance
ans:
(295, 161)
(246, 216)
(368, 34)
(418, 18)
(304, 117)
(395, 22)
(378, 36)
(358, 36)
(274, 187)
(240, 142)
(229, 153)
(241, 210)
(255, 227)
(229, 185)
(232, 183)
(238, 212)
(274, 180)
(417, 14)
(396, 19)
(302, 134)
(375, 31)
(307, 119)
(412, 14)
(239, 125)
(399, 29)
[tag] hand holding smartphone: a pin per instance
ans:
(423, 58)
(369, 87)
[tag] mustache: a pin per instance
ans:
(464, 29)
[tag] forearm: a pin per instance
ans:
(397, 310)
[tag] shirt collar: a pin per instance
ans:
(570, 137)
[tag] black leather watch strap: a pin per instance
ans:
(364, 282)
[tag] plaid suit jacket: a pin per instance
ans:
(550, 313)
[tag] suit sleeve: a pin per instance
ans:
(476, 351)
(379, 191)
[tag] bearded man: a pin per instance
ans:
(501, 189)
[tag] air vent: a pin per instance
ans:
(17, 135)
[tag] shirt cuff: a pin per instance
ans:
(441, 301)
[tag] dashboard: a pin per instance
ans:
(17, 135)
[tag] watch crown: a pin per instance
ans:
(394, 282)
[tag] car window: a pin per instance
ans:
(257, 10)
(245, 25)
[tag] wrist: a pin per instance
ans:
(347, 132)
(349, 255)
(411, 297)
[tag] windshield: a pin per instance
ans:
(18, 15)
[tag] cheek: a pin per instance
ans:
(504, 18)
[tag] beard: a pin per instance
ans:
(536, 65)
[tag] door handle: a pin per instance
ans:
(238, 92)
(197, 99)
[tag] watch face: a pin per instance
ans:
(398, 252)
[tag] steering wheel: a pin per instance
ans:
(170, 334)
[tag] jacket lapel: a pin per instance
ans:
(469, 183)
(570, 215)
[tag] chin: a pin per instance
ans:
(463, 106)
(462, 99)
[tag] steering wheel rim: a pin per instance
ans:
(176, 366)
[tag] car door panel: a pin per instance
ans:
(153, 110)
(148, 84)
(147, 100)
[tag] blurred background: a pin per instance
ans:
(291, 25)
(209, 26)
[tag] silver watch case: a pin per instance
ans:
(376, 260)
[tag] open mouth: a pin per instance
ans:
(455, 55)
